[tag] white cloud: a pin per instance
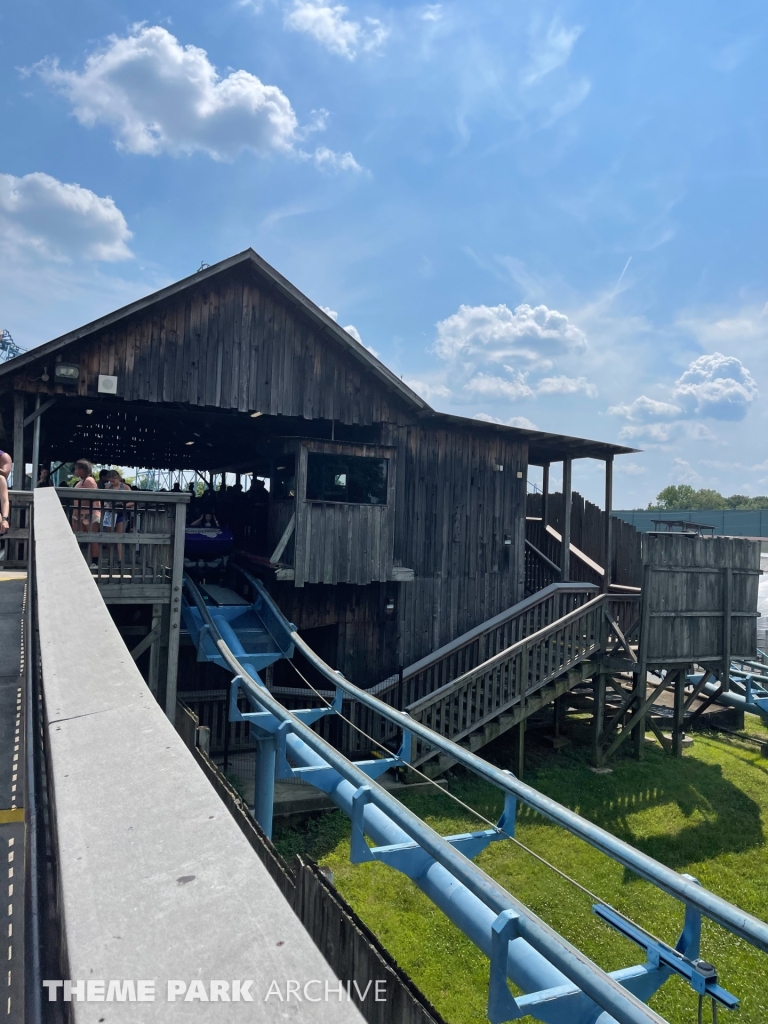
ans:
(549, 50)
(713, 387)
(432, 12)
(684, 473)
(427, 390)
(327, 160)
(521, 422)
(644, 409)
(496, 333)
(666, 433)
(499, 387)
(162, 97)
(44, 217)
(566, 386)
(350, 329)
(629, 468)
(333, 30)
(716, 386)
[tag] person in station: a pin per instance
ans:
(86, 515)
(6, 464)
(5, 505)
(103, 479)
(44, 477)
(117, 517)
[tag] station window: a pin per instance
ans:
(356, 479)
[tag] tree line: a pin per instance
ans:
(686, 498)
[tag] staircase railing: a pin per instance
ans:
(543, 546)
(515, 674)
(478, 644)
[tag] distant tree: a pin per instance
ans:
(683, 497)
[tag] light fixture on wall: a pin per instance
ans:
(390, 605)
(507, 540)
(255, 415)
(66, 373)
(188, 443)
(89, 412)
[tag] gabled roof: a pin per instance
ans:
(543, 447)
(281, 284)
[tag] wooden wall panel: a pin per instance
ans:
(234, 343)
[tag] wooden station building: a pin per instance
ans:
(390, 528)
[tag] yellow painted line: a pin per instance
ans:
(11, 575)
(15, 814)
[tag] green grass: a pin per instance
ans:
(704, 814)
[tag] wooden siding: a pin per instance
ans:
(341, 542)
(234, 343)
(453, 510)
(700, 597)
(367, 633)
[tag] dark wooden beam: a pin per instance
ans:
(565, 552)
(18, 441)
(608, 540)
(545, 496)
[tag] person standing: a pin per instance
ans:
(86, 515)
(118, 517)
(5, 507)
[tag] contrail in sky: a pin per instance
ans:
(621, 278)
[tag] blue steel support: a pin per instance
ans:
(561, 985)
(264, 787)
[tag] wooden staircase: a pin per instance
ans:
(498, 726)
(492, 697)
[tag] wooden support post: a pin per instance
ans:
(641, 679)
(598, 718)
(520, 751)
(608, 539)
(679, 713)
(174, 627)
(545, 497)
(154, 651)
(567, 498)
(18, 441)
(727, 631)
(35, 445)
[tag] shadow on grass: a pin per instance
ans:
(718, 817)
(701, 813)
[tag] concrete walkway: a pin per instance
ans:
(12, 596)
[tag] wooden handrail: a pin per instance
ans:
(507, 654)
(514, 611)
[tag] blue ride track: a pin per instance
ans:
(560, 985)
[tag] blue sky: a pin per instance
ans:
(534, 212)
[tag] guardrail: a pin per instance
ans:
(16, 537)
(130, 539)
(153, 876)
(516, 674)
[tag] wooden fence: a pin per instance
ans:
(700, 599)
(352, 950)
(588, 535)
